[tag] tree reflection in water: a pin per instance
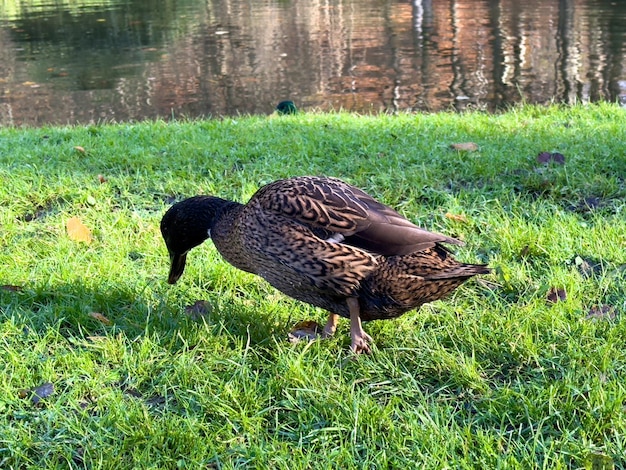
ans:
(93, 60)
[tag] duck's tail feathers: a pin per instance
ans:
(462, 271)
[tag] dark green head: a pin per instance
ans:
(286, 107)
(186, 225)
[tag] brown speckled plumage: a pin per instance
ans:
(324, 242)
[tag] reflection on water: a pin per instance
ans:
(65, 61)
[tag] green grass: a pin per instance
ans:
(493, 377)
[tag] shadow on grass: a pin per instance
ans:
(80, 310)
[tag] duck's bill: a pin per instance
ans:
(177, 267)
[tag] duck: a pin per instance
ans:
(324, 242)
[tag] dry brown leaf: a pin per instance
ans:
(588, 266)
(41, 392)
(156, 400)
(11, 288)
(465, 146)
(133, 392)
(456, 217)
(77, 231)
(101, 318)
(601, 312)
(558, 158)
(80, 149)
(199, 309)
(97, 338)
(547, 157)
(308, 330)
(592, 202)
(556, 295)
(544, 157)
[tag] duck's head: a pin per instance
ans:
(286, 107)
(186, 225)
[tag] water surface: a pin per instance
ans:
(86, 61)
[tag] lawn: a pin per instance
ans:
(106, 366)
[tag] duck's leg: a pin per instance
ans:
(330, 326)
(360, 339)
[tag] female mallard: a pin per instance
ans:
(324, 242)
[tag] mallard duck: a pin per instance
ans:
(324, 242)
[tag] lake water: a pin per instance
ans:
(73, 61)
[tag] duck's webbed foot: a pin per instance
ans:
(330, 326)
(360, 342)
(360, 339)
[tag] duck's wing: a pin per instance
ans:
(347, 214)
(293, 257)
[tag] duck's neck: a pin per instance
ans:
(225, 219)
(227, 235)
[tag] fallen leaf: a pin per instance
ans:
(492, 286)
(547, 157)
(601, 312)
(41, 392)
(102, 179)
(544, 157)
(101, 318)
(592, 202)
(556, 295)
(80, 149)
(77, 231)
(97, 339)
(156, 400)
(11, 288)
(136, 255)
(199, 309)
(84, 404)
(558, 158)
(588, 204)
(133, 392)
(588, 266)
(456, 217)
(308, 330)
(39, 212)
(465, 146)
